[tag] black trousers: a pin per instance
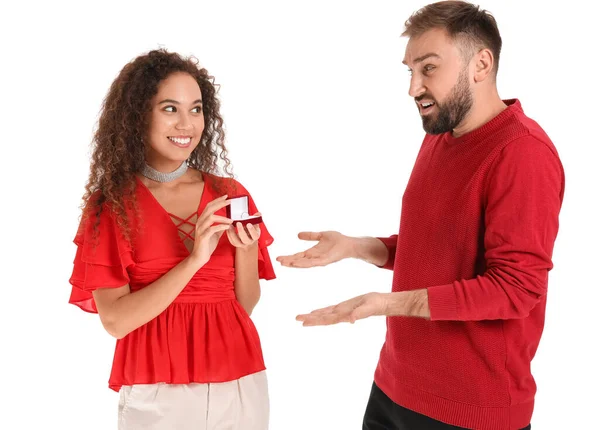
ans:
(383, 414)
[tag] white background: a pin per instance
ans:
(323, 134)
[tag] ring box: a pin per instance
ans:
(238, 211)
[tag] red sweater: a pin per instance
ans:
(478, 225)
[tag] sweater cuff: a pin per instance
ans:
(442, 303)
(391, 243)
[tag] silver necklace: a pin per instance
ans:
(155, 175)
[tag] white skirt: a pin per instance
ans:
(242, 404)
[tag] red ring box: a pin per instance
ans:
(238, 211)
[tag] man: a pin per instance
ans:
(471, 260)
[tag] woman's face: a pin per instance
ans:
(176, 122)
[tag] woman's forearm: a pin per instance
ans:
(247, 285)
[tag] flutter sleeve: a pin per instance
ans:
(101, 259)
(265, 265)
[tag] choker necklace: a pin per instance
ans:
(155, 175)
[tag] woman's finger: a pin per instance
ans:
(254, 231)
(215, 229)
(243, 234)
(202, 226)
(233, 238)
(214, 206)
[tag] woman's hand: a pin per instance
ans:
(242, 236)
(209, 229)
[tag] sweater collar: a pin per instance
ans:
(513, 106)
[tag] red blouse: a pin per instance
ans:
(205, 335)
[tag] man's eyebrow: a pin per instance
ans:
(424, 57)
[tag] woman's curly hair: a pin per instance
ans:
(118, 148)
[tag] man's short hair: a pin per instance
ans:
(474, 29)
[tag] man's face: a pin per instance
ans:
(439, 81)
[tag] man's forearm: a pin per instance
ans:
(370, 249)
(407, 303)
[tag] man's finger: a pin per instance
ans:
(291, 257)
(310, 235)
(304, 263)
(329, 319)
(325, 309)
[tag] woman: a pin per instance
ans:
(153, 260)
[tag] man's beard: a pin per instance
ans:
(453, 111)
